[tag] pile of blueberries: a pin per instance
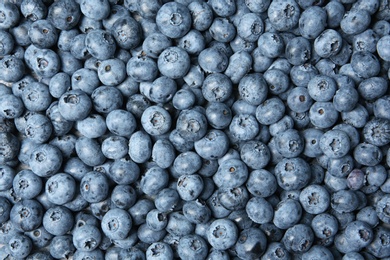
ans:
(193, 129)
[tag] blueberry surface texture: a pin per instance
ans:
(204, 129)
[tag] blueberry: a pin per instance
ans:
(375, 132)
(218, 254)
(324, 226)
(36, 96)
(358, 235)
(159, 250)
(202, 15)
(10, 15)
(62, 246)
(126, 31)
(323, 114)
(213, 60)
(270, 111)
(345, 99)
(11, 106)
(335, 144)
(26, 215)
(380, 28)
(192, 125)
(302, 74)
(190, 186)
(163, 153)
(372, 88)
(58, 220)
(298, 239)
(39, 255)
(74, 105)
(328, 43)
(156, 120)
(283, 217)
(112, 72)
(239, 65)
(162, 90)
(289, 143)
(283, 15)
(142, 68)
(365, 64)
(357, 117)
(26, 147)
(116, 224)
(253, 88)
(299, 99)
(8, 230)
(119, 122)
(26, 184)
(20, 34)
(45, 160)
(173, 20)
(367, 154)
(38, 128)
(251, 243)
(100, 44)
(187, 163)
(233, 198)
(223, 7)
(244, 127)
(94, 187)
(5, 206)
(78, 48)
(298, 50)
(292, 173)
(260, 62)
(59, 84)
(193, 42)
(93, 126)
(196, 212)
(154, 44)
(115, 147)
(140, 147)
(86, 238)
(231, 174)
(255, 154)
(192, 247)
(379, 246)
(276, 250)
(344, 201)
(318, 251)
(217, 87)
(44, 62)
(64, 14)
(65, 39)
(218, 114)
(365, 41)
(89, 151)
(179, 225)
(105, 99)
(7, 42)
(312, 22)
(315, 199)
(20, 246)
(154, 180)
(380, 107)
(279, 82)
(43, 34)
(355, 21)
(60, 188)
(222, 234)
